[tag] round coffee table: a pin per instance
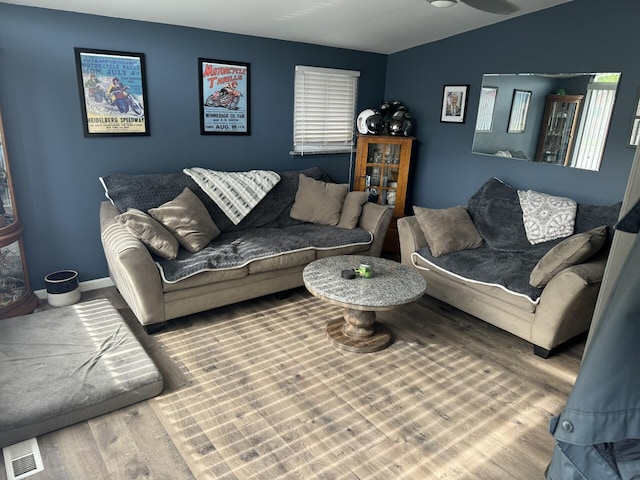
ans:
(391, 285)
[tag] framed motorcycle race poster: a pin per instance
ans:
(112, 92)
(224, 97)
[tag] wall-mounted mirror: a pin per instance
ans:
(559, 119)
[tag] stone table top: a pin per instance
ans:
(392, 283)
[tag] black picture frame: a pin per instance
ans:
(454, 103)
(112, 89)
(224, 97)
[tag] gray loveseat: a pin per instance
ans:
(265, 253)
(544, 293)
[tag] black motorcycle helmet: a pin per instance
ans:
(400, 124)
(374, 123)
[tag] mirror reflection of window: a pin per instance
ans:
(594, 124)
(634, 136)
(484, 122)
(519, 109)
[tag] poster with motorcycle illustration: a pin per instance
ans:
(224, 97)
(112, 92)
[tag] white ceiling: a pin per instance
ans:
(379, 26)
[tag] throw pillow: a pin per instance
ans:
(576, 249)
(447, 230)
(150, 232)
(496, 213)
(318, 202)
(188, 219)
(546, 217)
(352, 209)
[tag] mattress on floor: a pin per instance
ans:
(66, 365)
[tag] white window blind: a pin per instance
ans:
(324, 110)
(592, 133)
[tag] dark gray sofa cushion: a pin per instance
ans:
(235, 249)
(496, 213)
(508, 269)
(589, 217)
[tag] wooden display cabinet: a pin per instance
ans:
(382, 170)
(559, 125)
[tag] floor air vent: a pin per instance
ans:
(22, 460)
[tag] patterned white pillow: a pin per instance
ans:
(546, 217)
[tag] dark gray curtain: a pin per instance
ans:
(598, 432)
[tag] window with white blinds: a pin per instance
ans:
(594, 125)
(324, 110)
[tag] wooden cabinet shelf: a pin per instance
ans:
(382, 170)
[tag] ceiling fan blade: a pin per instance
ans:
(500, 7)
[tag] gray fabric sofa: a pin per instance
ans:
(493, 281)
(265, 253)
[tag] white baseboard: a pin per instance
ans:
(84, 286)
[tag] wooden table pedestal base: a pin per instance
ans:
(358, 332)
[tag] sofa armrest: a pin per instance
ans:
(375, 219)
(131, 268)
(567, 304)
(411, 238)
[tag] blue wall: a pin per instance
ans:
(55, 168)
(581, 36)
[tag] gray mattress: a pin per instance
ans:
(66, 365)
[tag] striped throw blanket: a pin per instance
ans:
(236, 193)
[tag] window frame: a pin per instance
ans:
(598, 104)
(324, 112)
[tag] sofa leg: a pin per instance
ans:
(152, 328)
(541, 352)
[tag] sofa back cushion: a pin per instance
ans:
(352, 209)
(589, 217)
(318, 202)
(187, 218)
(447, 230)
(149, 231)
(496, 213)
(146, 191)
(573, 250)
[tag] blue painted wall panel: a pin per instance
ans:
(56, 169)
(580, 36)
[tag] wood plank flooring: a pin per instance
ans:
(256, 391)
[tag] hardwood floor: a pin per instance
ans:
(256, 391)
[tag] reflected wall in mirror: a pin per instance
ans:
(566, 122)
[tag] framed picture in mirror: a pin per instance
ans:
(519, 109)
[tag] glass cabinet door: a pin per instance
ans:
(13, 284)
(6, 198)
(556, 135)
(381, 181)
(16, 297)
